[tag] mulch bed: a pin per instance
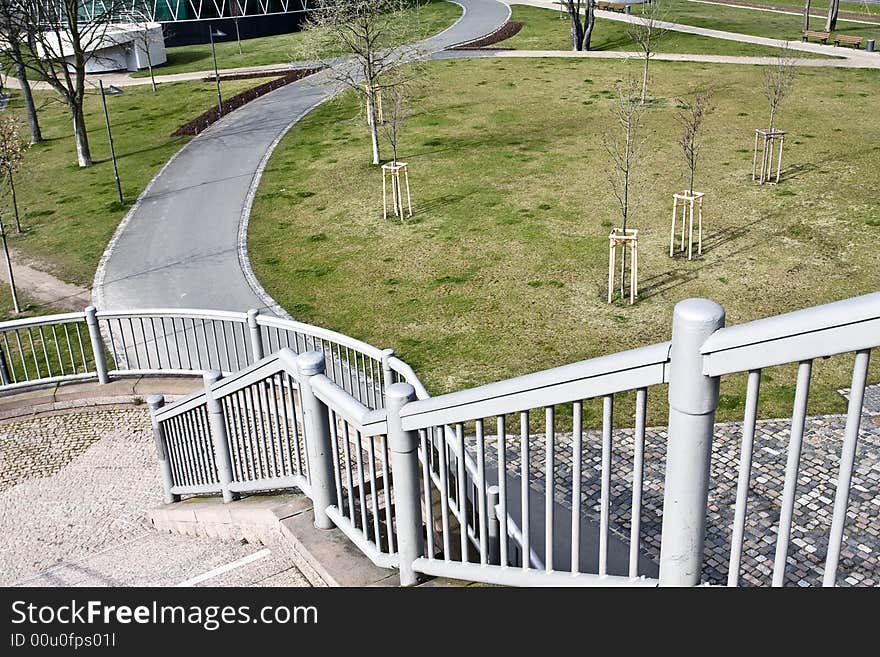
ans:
(202, 121)
(506, 31)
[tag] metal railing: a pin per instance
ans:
(549, 478)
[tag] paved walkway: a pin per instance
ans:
(74, 489)
(183, 243)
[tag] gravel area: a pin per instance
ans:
(74, 492)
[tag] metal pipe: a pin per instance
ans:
(97, 344)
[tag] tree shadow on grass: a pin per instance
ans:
(424, 208)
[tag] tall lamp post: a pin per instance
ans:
(216, 33)
(111, 91)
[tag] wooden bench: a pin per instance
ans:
(846, 38)
(821, 36)
(612, 6)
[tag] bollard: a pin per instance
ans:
(693, 398)
(405, 477)
(97, 344)
(869, 45)
(155, 402)
(319, 448)
(217, 425)
(257, 352)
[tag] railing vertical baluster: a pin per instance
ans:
(792, 465)
(494, 537)
(481, 493)
(605, 495)
(635, 529)
(291, 388)
(745, 475)
(155, 402)
(386, 485)
(6, 351)
(253, 432)
(349, 479)
(461, 494)
(97, 344)
(23, 361)
(245, 429)
(82, 349)
(337, 470)
(847, 461)
(549, 484)
(444, 494)
(232, 436)
(58, 350)
(165, 341)
(70, 349)
(374, 497)
(317, 430)
(502, 489)
(693, 398)
(34, 353)
(525, 493)
(268, 438)
(45, 351)
(577, 451)
(146, 342)
(426, 479)
(405, 471)
(362, 495)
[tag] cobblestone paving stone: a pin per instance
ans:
(860, 552)
(74, 513)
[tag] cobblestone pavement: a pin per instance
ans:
(73, 494)
(820, 458)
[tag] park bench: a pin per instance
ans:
(821, 36)
(847, 38)
(612, 6)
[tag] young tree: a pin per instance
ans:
(143, 38)
(582, 15)
(777, 81)
(647, 31)
(624, 151)
(363, 31)
(10, 36)
(12, 150)
(395, 111)
(691, 118)
(64, 36)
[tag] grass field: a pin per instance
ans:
(282, 48)
(503, 268)
(545, 29)
(69, 213)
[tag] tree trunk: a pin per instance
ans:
(577, 34)
(21, 75)
(14, 203)
(371, 121)
(645, 79)
(806, 15)
(9, 268)
(150, 63)
(589, 24)
(831, 22)
(83, 152)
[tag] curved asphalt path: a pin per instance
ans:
(182, 244)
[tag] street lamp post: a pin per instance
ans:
(216, 33)
(111, 91)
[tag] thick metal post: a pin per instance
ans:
(319, 447)
(155, 402)
(97, 344)
(217, 424)
(693, 398)
(256, 337)
(494, 526)
(405, 476)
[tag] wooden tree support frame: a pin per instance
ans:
(688, 202)
(392, 171)
(628, 238)
(767, 138)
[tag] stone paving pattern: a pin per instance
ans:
(72, 504)
(860, 553)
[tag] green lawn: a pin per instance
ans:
(545, 30)
(69, 213)
(282, 48)
(749, 21)
(503, 268)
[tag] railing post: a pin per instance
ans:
(97, 344)
(256, 337)
(4, 369)
(217, 425)
(155, 402)
(405, 478)
(387, 372)
(693, 398)
(319, 448)
(494, 526)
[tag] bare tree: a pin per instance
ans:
(778, 79)
(647, 31)
(624, 150)
(12, 149)
(366, 33)
(833, 10)
(395, 111)
(10, 38)
(141, 19)
(582, 15)
(691, 118)
(64, 35)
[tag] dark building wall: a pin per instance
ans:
(188, 33)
